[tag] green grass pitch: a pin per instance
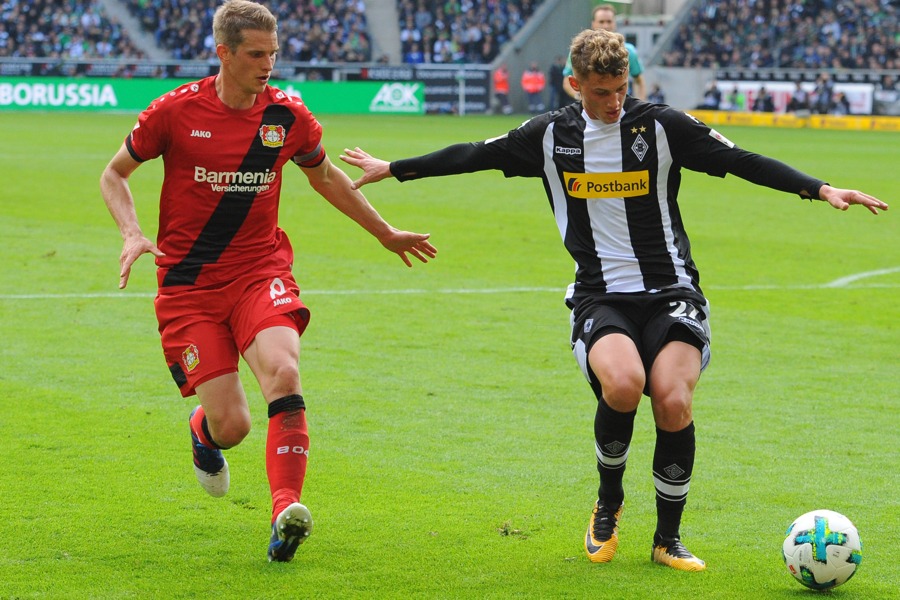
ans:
(452, 446)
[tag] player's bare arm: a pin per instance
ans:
(843, 198)
(120, 202)
(374, 169)
(335, 186)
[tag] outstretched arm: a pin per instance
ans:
(842, 199)
(456, 159)
(335, 186)
(374, 169)
(120, 202)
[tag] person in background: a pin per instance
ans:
(799, 101)
(604, 17)
(712, 97)
(764, 101)
(823, 94)
(533, 83)
(501, 88)
(611, 168)
(555, 79)
(656, 95)
(226, 289)
(734, 100)
(840, 105)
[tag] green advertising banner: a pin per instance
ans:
(133, 95)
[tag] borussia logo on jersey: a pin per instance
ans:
(607, 185)
(272, 136)
(640, 147)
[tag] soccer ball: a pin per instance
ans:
(822, 549)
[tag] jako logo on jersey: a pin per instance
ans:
(608, 185)
(190, 357)
(276, 290)
(566, 150)
(272, 136)
(201, 134)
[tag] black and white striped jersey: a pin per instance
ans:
(614, 188)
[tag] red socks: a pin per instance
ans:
(287, 451)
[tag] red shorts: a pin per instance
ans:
(204, 331)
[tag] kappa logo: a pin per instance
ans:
(201, 134)
(272, 136)
(567, 150)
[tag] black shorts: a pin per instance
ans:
(651, 320)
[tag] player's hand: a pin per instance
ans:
(374, 169)
(132, 249)
(407, 242)
(842, 199)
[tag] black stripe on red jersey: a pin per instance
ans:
(645, 221)
(131, 151)
(233, 207)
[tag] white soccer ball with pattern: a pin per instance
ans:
(822, 549)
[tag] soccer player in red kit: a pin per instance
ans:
(224, 266)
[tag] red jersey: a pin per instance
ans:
(218, 214)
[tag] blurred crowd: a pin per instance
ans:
(315, 31)
(799, 34)
(459, 31)
(45, 29)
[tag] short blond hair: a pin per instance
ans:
(236, 16)
(599, 51)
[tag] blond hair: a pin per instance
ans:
(235, 16)
(600, 51)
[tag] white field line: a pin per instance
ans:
(843, 282)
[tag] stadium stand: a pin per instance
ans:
(74, 30)
(316, 31)
(792, 34)
(459, 31)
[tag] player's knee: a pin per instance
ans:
(673, 411)
(622, 387)
(281, 380)
(231, 431)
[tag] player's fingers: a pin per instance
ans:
(427, 249)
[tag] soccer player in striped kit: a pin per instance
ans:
(224, 266)
(640, 324)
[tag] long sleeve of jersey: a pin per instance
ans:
(452, 160)
(774, 174)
